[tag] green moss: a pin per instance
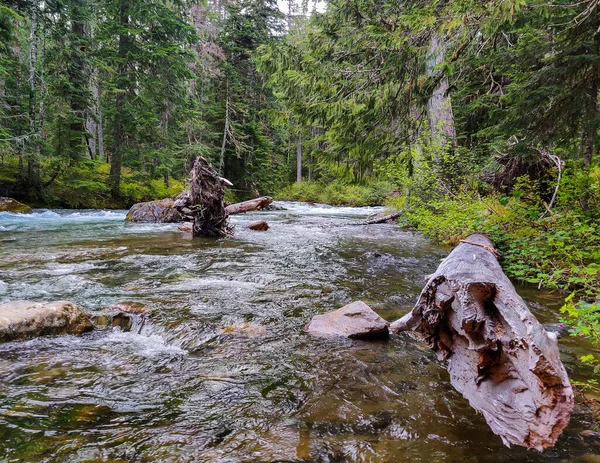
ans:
(11, 205)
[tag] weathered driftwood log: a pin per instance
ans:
(206, 193)
(381, 219)
(255, 204)
(500, 357)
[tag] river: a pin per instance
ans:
(224, 371)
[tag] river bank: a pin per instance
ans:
(225, 371)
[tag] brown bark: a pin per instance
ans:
(500, 358)
(250, 205)
(207, 191)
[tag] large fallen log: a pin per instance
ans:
(255, 204)
(206, 193)
(499, 356)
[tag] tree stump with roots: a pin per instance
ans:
(207, 192)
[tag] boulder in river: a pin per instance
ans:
(260, 225)
(127, 316)
(355, 320)
(160, 211)
(26, 320)
(12, 205)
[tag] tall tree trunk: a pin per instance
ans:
(116, 160)
(299, 158)
(41, 109)
(439, 106)
(32, 168)
(225, 130)
(77, 79)
(591, 128)
(99, 126)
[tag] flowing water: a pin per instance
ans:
(224, 371)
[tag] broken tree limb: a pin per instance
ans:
(382, 219)
(255, 204)
(500, 358)
(206, 193)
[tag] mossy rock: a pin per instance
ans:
(11, 205)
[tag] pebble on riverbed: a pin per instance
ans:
(355, 320)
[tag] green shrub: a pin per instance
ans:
(336, 193)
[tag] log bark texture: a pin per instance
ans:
(207, 191)
(500, 358)
(255, 204)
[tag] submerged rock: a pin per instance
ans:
(126, 316)
(26, 320)
(160, 211)
(355, 320)
(260, 225)
(186, 227)
(12, 205)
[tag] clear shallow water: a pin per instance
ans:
(225, 373)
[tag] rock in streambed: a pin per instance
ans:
(126, 316)
(260, 225)
(161, 211)
(12, 205)
(26, 319)
(355, 320)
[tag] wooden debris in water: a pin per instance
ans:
(255, 204)
(206, 193)
(500, 358)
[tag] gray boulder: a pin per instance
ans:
(355, 320)
(26, 320)
(160, 211)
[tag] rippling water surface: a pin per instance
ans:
(224, 372)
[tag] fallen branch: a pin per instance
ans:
(250, 205)
(384, 219)
(379, 219)
(500, 358)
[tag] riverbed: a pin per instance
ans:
(224, 371)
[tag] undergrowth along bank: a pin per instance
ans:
(337, 193)
(556, 249)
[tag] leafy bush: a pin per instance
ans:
(583, 319)
(558, 249)
(337, 193)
